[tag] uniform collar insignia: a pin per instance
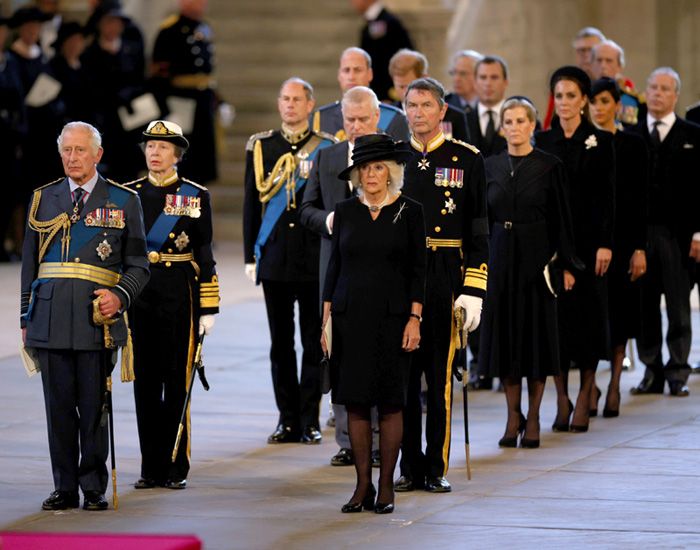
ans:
(433, 144)
(292, 136)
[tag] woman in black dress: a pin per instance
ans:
(529, 222)
(589, 161)
(629, 260)
(374, 289)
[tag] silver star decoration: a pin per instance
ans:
(450, 205)
(423, 164)
(182, 241)
(104, 250)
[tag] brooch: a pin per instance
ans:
(397, 216)
(591, 141)
(182, 241)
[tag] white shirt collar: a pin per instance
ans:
(373, 11)
(87, 187)
(667, 123)
(483, 119)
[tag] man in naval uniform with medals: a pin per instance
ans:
(83, 264)
(176, 307)
(283, 255)
(447, 177)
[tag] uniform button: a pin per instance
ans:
(170, 250)
(199, 62)
(168, 264)
(190, 39)
(447, 193)
(454, 159)
(437, 229)
(443, 211)
(195, 50)
(291, 224)
(196, 278)
(172, 235)
(177, 189)
(77, 260)
(138, 186)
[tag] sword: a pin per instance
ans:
(462, 361)
(108, 419)
(199, 368)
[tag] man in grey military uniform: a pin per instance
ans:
(84, 241)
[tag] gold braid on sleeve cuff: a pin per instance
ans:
(209, 293)
(477, 278)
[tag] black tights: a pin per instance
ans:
(390, 434)
(535, 391)
(587, 372)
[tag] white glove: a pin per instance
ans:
(472, 311)
(206, 323)
(250, 271)
(227, 114)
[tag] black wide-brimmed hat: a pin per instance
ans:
(65, 31)
(164, 130)
(27, 15)
(571, 72)
(374, 147)
(606, 84)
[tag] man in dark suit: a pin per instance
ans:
(381, 37)
(463, 95)
(693, 115)
(360, 117)
(491, 76)
(355, 69)
(84, 241)
(674, 235)
(406, 66)
(283, 256)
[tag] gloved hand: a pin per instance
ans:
(206, 323)
(251, 271)
(227, 114)
(472, 311)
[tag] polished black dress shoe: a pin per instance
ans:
(437, 485)
(311, 436)
(648, 386)
(176, 484)
(366, 503)
(283, 434)
(679, 389)
(406, 484)
(94, 501)
(146, 483)
(61, 500)
(383, 508)
(376, 459)
(343, 458)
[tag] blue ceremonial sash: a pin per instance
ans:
(81, 234)
(278, 204)
(163, 225)
(385, 117)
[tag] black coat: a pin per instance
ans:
(589, 160)
(498, 144)
(376, 270)
(529, 221)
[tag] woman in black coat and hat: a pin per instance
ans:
(374, 289)
(529, 222)
(589, 161)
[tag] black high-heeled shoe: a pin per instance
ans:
(526, 443)
(512, 442)
(367, 503)
(563, 426)
(612, 413)
(383, 508)
(594, 411)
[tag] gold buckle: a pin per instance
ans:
(153, 257)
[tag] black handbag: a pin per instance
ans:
(325, 375)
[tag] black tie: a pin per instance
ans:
(78, 199)
(654, 135)
(490, 130)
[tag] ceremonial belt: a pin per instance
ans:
(72, 270)
(199, 81)
(442, 243)
(158, 257)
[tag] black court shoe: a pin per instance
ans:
(563, 426)
(512, 442)
(367, 503)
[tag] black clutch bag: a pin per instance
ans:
(325, 374)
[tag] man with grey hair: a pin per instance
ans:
(673, 249)
(83, 264)
(463, 94)
(361, 112)
(282, 255)
(355, 69)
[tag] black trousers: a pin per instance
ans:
(74, 384)
(297, 397)
(434, 358)
(163, 327)
(667, 274)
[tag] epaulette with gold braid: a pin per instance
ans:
(194, 184)
(255, 137)
(112, 182)
(170, 21)
(326, 135)
(50, 183)
(128, 183)
(464, 144)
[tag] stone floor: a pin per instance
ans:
(630, 482)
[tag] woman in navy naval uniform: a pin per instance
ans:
(177, 305)
(374, 287)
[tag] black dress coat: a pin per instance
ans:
(376, 270)
(529, 221)
(631, 190)
(497, 145)
(589, 160)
